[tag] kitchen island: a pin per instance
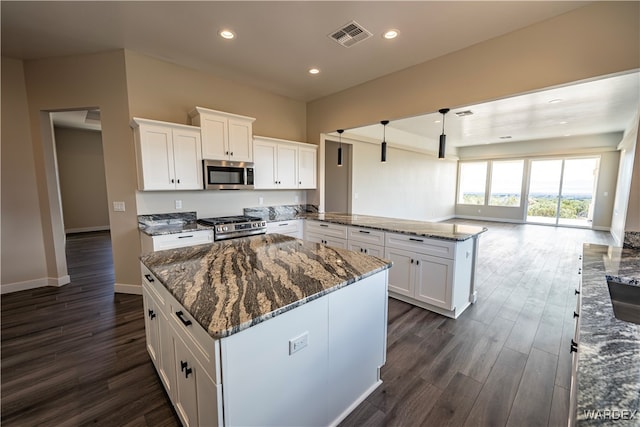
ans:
(265, 330)
(605, 385)
(434, 263)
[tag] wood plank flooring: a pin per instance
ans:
(76, 355)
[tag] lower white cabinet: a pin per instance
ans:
(430, 273)
(367, 241)
(334, 235)
(175, 240)
(293, 228)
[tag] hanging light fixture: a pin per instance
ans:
(443, 137)
(340, 147)
(383, 154)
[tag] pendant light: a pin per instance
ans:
(443, 137)
(383, 154)
(340, 147)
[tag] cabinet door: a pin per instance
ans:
(307, 169)
(401, 274)
(156, 156)
(240, 140)
(187, 153)
(214, 137)
(151, 327)
(186, 395)
(265, 165)
(287, 161)
(372, 250)
(434, 280)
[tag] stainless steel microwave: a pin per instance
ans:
(227, 175)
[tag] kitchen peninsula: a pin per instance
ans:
(265, 330)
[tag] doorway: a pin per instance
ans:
(562, 191)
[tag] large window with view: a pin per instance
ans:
(473, 181)
(506, 183)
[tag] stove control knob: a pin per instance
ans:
(225, 228)
(218, 229)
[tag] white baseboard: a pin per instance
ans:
(42, 282)
(86, 229)
(122, 288)
(600, 228)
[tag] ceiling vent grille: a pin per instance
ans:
(464, 113)
(350, 34)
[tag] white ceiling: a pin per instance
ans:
(277, 42)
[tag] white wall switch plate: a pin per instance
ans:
(260, 200)
(178, 204)
(298, 343)
(118, 207)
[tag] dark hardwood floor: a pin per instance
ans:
(76, 355)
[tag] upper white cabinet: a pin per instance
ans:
(169, 155)
(225, 136)
(281, 164)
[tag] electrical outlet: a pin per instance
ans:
(118, 207)
(298, 343)
(178, 204)
(260, 200)
(296, 199)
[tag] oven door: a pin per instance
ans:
(225, 175)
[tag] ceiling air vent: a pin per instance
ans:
(350, 34)
(464, 113)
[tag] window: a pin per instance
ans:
(506, 183)
(473, 181)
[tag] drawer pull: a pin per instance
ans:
(149, 278)
(364, 232)
(282, 225)
(185, 237)
(184, 367)
(416, 240)
(152, 315)
(577, 292)
(575, 315)
(185, 322)
(324, 225)
(574, 346)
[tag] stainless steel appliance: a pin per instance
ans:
(227, 175)
(229, 227)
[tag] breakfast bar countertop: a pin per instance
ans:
(608, 377)
(231, 285)
(436, 230)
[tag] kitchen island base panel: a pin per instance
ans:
(265, 383)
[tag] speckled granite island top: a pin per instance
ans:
(436, 230)
(231, 285)
(609, 348)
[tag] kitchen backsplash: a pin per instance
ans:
(168, 218)
(280, 213)
(632, 239)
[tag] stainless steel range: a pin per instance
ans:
(229, 227)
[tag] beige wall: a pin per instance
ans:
(633, 209)
(83, 185)
(337, 190)
(23, 258)
(163, 91)
(592, 41)
(623, 209)
(80, 82)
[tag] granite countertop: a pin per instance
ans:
(169, 223)
(231, 285)
(436, 230)
(609, 348)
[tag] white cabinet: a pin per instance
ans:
(431, 273)
(281, 164)
(367, 241)
(169, 155)
(175, 240)
(293, 228)
(334, 235)
(225, 136)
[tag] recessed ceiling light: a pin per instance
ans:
(391, 34)
(555, 101)
(314, 71)
(436, 121)
(563, 122)
(227, 34)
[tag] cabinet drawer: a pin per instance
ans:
(364, 248)
(203, 346)
(326, 229)
(154, 287)
(366, 235)
(329, 241)
(292, 227)
(181, 240)
(423, 245)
